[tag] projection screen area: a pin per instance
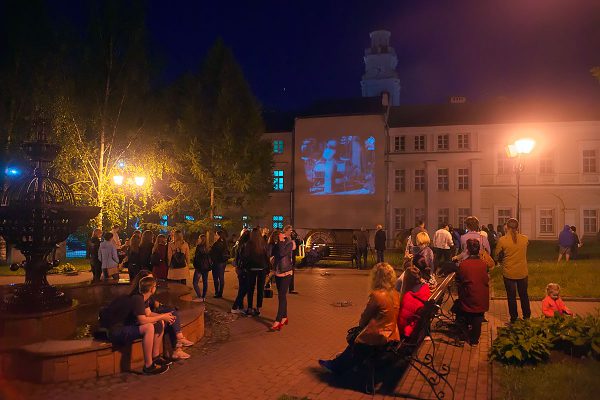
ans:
(340, 174)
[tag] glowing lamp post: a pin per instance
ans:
(517, 150)
(120, 180)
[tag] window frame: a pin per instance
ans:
(400, 180)
(277, 221)
(443, 217)
(462, 213)
(463, 180)
(278, 146)
(278, 180)
(399, 143)
(585, 218)
(420, 143)
(399, 218)
(543, 224)
(589, 163)
(464, 141)
(419, 186)
(443, 184)
(443, 142)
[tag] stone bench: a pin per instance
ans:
(53, 361)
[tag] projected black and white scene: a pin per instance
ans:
(339, 166)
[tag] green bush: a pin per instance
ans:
(530, 341)
(63, 269)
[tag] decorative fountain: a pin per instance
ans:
(36, 213)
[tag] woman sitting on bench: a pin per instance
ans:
(415, 292)
(378, 322)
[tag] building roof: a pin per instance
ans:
(490, 113)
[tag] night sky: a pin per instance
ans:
(296, 52)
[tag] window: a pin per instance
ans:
(420, 143)
(443, 180)
(277, 221)
(399, 180)
(399, 218)
(463, 179)
(590, 221)
(546, 220)
(278, 146)
(419, 180)
(463, 141)
(245, 221)
(278, 180)
(443, 142)
(463, 213)
(443, 216)
(504, 214)
(546, 166)
(589, 161)
(399, 143)
(419, 215)
(505, 164)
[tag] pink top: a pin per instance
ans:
(551, 306)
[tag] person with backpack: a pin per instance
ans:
(219, 254)
(202, 266)
(178, 257)
(128, 318)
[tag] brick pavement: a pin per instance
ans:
(241, 359)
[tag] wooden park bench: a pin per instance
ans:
(395, 359)
(338, 252)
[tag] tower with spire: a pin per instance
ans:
(380, 68)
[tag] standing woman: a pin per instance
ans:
(514, 245)
(219, 254)
(202, 266)
(178, 256)
(94, 248)
(256, 264)
(282, 266)
(158, 259)
(133, 256)
(146, 250)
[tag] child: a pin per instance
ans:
(553, 304)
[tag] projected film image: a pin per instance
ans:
(340, 166)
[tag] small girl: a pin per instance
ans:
(552, 303)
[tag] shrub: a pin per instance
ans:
(530, 341)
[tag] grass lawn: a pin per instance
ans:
(81, 264)
(568, 379)
(579, 278)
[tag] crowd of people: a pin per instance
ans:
(262, 258)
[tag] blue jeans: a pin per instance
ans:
(197, 275)
(218, 274)
(173, 329)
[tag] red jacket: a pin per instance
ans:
(551, 306)
(410, 304)
(473, 289)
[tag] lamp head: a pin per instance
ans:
(140, 180)
(118, 179)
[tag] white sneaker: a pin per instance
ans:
(198, 300)
(179, 354)
(184, 342)
(237, 311)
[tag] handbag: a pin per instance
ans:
(178, 260)
(353, 334)
(268, 291)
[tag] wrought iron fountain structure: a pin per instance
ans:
(36, 213)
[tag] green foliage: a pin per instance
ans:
(566, 379)
(218, 144)
(530, 341)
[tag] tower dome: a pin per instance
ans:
(380, 68)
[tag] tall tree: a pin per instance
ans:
(220, 148)
(101, 114)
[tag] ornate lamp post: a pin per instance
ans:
(137, 181)
(37, 212)
(517, 150)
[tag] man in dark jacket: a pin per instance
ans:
(566, 241)
(362, 246)
(380, 240)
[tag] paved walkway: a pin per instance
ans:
(241, 359)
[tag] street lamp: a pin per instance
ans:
(517, 150)
(119, 180)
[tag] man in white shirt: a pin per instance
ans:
(442, 246)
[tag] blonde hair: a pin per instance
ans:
(383, 277)
(552, 288)
(423, 239)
